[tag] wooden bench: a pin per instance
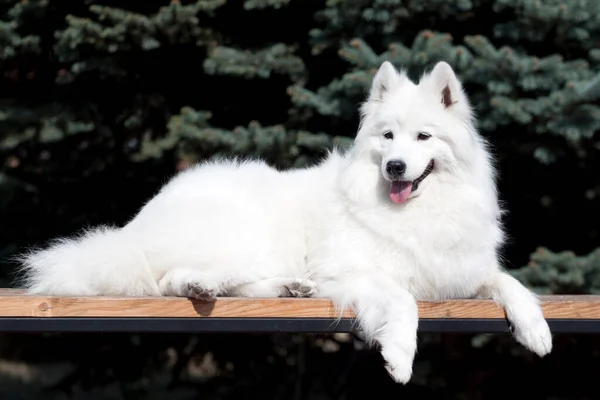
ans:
(23, 313)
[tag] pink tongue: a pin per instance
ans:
(399, 191)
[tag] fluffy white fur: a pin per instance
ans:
(242, 228)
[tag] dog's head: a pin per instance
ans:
(415, 130)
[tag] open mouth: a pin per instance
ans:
(400, 190)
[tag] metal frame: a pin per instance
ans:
(264, 325)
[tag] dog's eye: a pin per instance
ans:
(388, 135)
(423, 136)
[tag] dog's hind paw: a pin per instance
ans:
(196, 291)
(301, 288)
(188, 283)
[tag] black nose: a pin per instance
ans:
(395, 168)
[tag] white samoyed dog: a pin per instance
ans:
(409, 213)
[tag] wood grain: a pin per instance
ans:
(13, 303)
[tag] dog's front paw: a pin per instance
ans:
(534, 334)
(400, 374)
(398, 362)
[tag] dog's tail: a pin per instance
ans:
(101, 261)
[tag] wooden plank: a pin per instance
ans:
(13, 303)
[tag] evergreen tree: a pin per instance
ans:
(101, 102)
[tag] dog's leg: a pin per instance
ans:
(523, 312)
(386, 313)
(275, 287)
(183, 282)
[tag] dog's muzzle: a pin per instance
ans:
(400, 190)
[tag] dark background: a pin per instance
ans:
(101, 102)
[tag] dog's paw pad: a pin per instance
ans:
(302, 288)
(197, 291)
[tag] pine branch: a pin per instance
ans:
(45, 124)
(387, 18)
(194, 139)
(262, 4)
(590, 91)
(567, 21)
(562, 272)
(12, 42)
(278, 58)
(123, 30)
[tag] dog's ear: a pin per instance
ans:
(447, 86)
(385, 78)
